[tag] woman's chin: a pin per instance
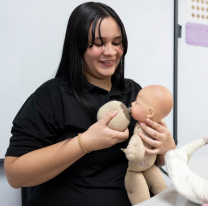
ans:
(107, 74)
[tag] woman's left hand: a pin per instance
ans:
(162, 141)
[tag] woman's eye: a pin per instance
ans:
(118, 44)
(98, 45)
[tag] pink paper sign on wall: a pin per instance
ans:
(197, 34)
(197, 22)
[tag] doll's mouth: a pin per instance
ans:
(129, 109)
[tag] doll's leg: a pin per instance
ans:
(136, 187)
(154, 179)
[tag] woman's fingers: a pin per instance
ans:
(151, 131)
(162, 122)
(108, 117)
(151, 142)
(156, 126)
(123, 136)
(152, 151)
(162, 140)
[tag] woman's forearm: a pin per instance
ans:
(41, 165)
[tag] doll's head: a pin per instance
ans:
(154, 102)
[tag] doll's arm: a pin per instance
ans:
(135, 149)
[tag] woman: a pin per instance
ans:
(46, 148)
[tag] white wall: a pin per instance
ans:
(8, 195)
(31, 39)
(192, 89)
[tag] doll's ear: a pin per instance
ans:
(151, 113)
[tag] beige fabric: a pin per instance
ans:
(144, 162)
(139, 189)
(141, 173)
(121, 121)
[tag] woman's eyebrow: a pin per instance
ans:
(95, 38)
(118, 37)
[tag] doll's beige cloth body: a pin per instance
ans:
(141, 162)
(142, 174)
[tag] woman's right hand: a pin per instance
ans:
(100, 136)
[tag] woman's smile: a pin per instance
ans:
(107, 63)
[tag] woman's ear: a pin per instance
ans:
(151, 113)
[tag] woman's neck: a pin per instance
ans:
(102, 83)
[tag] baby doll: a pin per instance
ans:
(154, 102)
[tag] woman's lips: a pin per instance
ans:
(107, 63)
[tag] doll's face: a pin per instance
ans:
(154, 102)
(139, 108)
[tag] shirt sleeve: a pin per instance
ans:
(34, 127)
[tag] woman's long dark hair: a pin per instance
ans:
(75, 45)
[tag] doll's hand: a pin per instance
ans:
(133, 154)
(100, 136)
(162, 141)
(130, 152)
(135, 149)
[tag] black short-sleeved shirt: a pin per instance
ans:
(50, 115)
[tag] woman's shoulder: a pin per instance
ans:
(53, 94)
(131, 83)
(51, 87)
(49, 84)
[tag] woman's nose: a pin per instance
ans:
(109, 50)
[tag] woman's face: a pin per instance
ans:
(101, 61)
